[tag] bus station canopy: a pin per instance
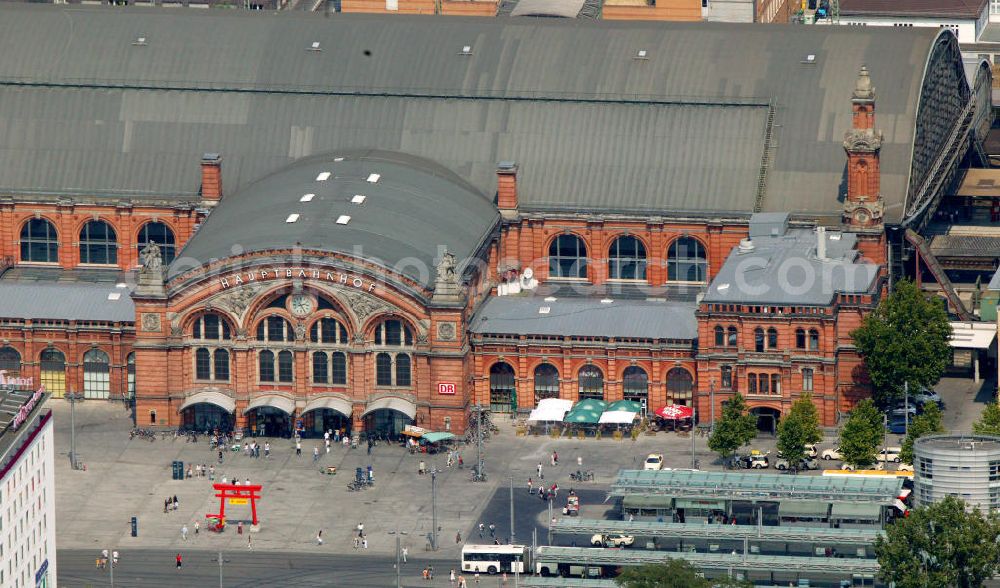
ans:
(755, 487)
(575, 526)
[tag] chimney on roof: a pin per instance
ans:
(507, 186)
(211, 177)
(821, 243)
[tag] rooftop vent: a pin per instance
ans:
(292, 217)
(121, 285)
(550, 299)
(810, 59)
(343, 219)
(323, 176)
(640, 54)
(606, 301)
(307, 197)
(114, 295)
(373, 178)
(139, 42)
(359, 199)
(338, 159)
(466, 50)
(315, 46)
(544, 310)
(746, 245)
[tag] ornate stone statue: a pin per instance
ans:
(446, 267)
(446, 284)
(151, 258)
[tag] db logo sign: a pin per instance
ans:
(446, 388)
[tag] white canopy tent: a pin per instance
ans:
(550, 409)
(974, 337)
(617, 417)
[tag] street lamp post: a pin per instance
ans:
(512, 509)
(220, 569)
(397, 533)
(112, 561)
(73, 398)
(434, 517)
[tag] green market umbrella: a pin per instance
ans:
(582, 416)
(437, 437)
(625, 406)
(591, 404)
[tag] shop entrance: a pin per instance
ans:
(204, 416)
(316, 422)
(767, 419)
(267, 421)
(386, 422)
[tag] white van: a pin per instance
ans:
(890, 454)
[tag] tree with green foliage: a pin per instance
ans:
(674, 573)
(928, 423)
(797, 429)
(734, 429)
(862, 434)
(905, 339)
(989, 421)
(940, 545)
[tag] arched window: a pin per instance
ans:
(130, 365)
(202, 364)
(720, 336)
(96, 374)
(772, 338)
(285, 366)
(727, 377)
(211, 326)
(751, 383)
(775, 384)
(328, 330)
(813, 339)
(220, 363)
(679, 386)
(732, 339)
(627, 259)
(393, 332)
(53, 371)
(383, 369)
(686, 261)
(10, 362)
(807, 379)
(546, 381)
(266, 365)
(503, 390)
(39, 241)
(275, 329)
(98, 243)
(321, 368)
(591, 382)
(159, 233)
(635, 383)
(758, 339)
(568, 257)
(800, 338)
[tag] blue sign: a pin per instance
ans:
(40, 574)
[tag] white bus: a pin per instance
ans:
(493, 559)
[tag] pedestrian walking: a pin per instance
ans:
(371, 474)
(482, 528)
(211, 472)
(579, 461)
(197, 527)
(221, 457)
(451, 577)
(364, 543)
(404, 553)
(430, 572)
(247, 483)
(529, 486)
(267, 450)
(458, 537)
(421, 468)
(357, 542)
(166, 505)
(493, 530)
(184, 532)
(176, 503)
(327, 442)
(249, 542)
(555, 458)
(361, 530)
(179, 561)
(315, 454)
(477, 578)
(539, 469)
(319, 537)
(256, 451)
(298, 447)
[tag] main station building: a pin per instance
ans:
(368, 221)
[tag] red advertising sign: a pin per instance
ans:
(446, 387)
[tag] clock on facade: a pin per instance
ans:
(862, 216)
(300, 305)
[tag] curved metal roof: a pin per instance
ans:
(412, 210)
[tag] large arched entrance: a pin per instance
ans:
(207, 411)
(388, 416)
(270, 416)
(503, 389)
(326, 414)
(767, 418)
(679, 386)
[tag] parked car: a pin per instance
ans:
(904, 467)
(927, 395)
(831, 454)
(654, 461)
(851, 467)
(890, 454)
(756, 460)
(901, 409)
(897, 425)
(811, 451)
(805, 464)
(602, 540)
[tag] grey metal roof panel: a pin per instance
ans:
(965, 246)
(785, 269)
(65, 301)
(414, 211)
(586, 317)
(198, 53)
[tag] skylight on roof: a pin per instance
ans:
(307, 197)
(606, 301)
(121, 285)
(550, 299)
(338, 159)
(640, 54)
(343, 219)
(373, 178)
(114, 295)
(544, 310)
(292, 217)
(467, 50)
(315, 46)
(141, 41)
(811, 58)
(323, 176)
(359, 199)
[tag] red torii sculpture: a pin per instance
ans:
(227, 491)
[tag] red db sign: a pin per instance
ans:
(446, 387)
